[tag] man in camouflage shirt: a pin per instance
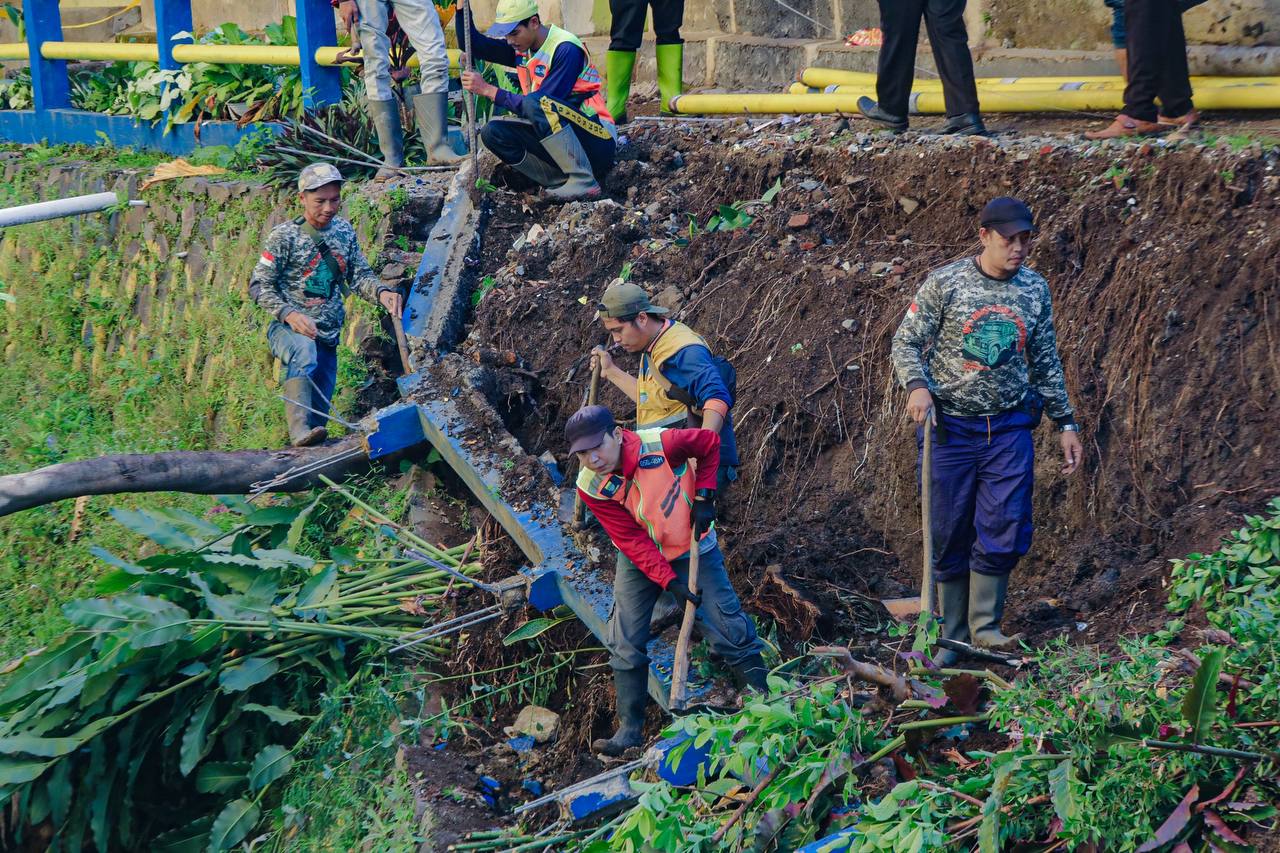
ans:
(305, 271)
(977, 354)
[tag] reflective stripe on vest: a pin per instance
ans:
(659, 498)
(654, 407)
(535, 68)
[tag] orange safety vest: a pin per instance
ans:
(659, 497)
(655, 407)
(533, 69)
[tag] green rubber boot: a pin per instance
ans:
(431, 112)
(632, 686)
(618, 66)
(953, 595)
(986, 609)
(670, 73)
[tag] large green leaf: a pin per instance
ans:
(195, 738)
(59, 785)
(249, 672)
(532, 628)
(157, 530)
(148, 621)
(1200, 705)
(37, 672)
(218, 777)
(16, 771)
(1063, 790)
(193, 524)
(232, 824)
(43, 747)
(269, 765)
(299, 524)
(273, 515)
(192, 838)
(276, 714)
(122, 564)
(989, 829)
(313, 593)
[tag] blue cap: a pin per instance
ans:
(1007, 215)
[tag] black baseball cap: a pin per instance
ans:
(587, 427)
(1007, 215)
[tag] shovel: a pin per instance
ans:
(680, 666)
(903, 608)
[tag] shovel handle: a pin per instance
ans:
(402, 344)
(680, 666)
(579, 509)
(926, 515)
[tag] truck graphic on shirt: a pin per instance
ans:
(993, 342)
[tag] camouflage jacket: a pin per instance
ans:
(980, 343)
(291, 275)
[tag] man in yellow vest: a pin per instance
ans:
(558, 133)
(653, 504)
(680, 382)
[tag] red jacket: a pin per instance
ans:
(678, 445)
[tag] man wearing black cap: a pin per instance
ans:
(653, 504)
(977, 353)
(680, 382)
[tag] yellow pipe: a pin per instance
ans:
(245, 54)
(14, 50)
(108, 51)
(1259, 96)
(823, 78)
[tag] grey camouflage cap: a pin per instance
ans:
(316, 175)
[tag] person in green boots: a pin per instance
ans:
(625, 33)
(556, 130)
(373, 20)
(306, 268)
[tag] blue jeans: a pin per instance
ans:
(981, 506)
(303, 356)
(724, 623)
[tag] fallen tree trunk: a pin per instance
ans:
(197, 472)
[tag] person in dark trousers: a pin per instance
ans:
(558, 132)
(625, 33)
(900, 23)
(977, 353)
(1157, 69)
(655, 505)
(679, 383)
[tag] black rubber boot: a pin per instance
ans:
(753, 674)
(870, 109)
(633, 695)
(969, 124)
(953, 596)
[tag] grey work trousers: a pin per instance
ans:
(724, 623)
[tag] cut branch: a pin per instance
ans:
(197, 472)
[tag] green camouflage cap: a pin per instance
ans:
(622, 299)
(316, 175)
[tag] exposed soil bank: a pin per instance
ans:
(1165, 266)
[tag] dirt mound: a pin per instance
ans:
(1164, 262)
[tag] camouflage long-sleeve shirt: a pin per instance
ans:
(291, 275)
(979, 343)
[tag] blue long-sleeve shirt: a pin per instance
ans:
(566, 66)
(691, 368)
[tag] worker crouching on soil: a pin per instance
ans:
(558, 131)
(307, 267)
(977, 353)
(680, 382)
(653, 503)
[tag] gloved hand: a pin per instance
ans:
(704, 512)
(683, 594)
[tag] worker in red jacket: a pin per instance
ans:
(653, 504)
